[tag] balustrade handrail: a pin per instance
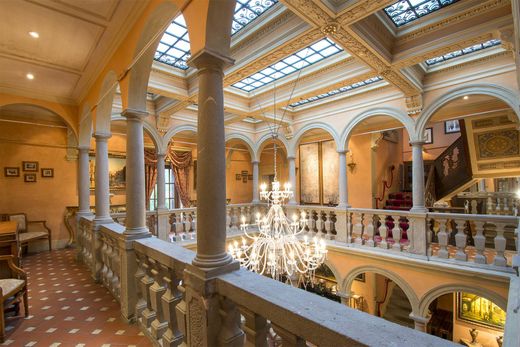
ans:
(512, 220)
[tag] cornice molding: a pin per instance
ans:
(470, 63)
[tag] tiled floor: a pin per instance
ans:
(67, 308)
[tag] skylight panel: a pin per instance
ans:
(248, 10)
(337, 91)
(174, 47)
(464, 51)
(297, 61)
(405, 11)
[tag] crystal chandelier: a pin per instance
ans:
(278, 248)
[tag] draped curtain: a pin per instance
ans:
(181, 162)
(150, 174)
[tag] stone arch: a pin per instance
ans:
(249, 144)
(144, 52)
(399, 115)
(106, 100)
(173, 131)
(85, 127)
(320, 125)
(335, 271)
(509, 96)
(150, 130)
(434, 293)
(407, 289)
(262, 142)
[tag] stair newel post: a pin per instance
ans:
(480, 242)
(383, 232)
(500, 245)
(442, 236)
(396, 234)
(461, 240)
(369, 229)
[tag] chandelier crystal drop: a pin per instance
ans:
(279, 247)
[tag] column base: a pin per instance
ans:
(214, 261)
(255, 201)
(103, 220)
(136, 231)
(419, 209)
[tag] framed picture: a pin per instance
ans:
(360, 277)
(451, 126)
(30, 177)
(244, 179)
(116, 172)
(47, 172)
(428, 136)
(478, 310)
(391, 135)
(245, 173)
(238, 177)
(30, 166)
(250, 177)
(11, 171)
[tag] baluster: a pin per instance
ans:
(104, 267)
(498, 209)
(443, 236)
(396, 234)
(289, 339)
(474, 204)
(255, 328)
(186, 224)
(230, 333)
(228, 219)
(311, 222)
(140, 305)
(357, 231)
(329, 225)
(383, 232)
(171, 298)
(178, 225)
(180, 309)
(148, 314)
(171, 221)
(480, 242)
(116, 282)
(461, 240)
(157, 290)
(489, 205)
(320, 227)
(369, 229)
(500, 245)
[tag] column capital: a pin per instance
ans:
(417, 143)
(132, 114)
(160, 154)
(208, 59)
(83, 149)
(102, 136)
(343, 151)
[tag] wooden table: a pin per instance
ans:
(8, 239)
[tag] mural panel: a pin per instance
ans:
(309, 174)
(330, 172)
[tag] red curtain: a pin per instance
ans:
(181, 162)
(150, 174)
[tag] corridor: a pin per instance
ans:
(67, 308)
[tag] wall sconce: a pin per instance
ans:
(352, 164)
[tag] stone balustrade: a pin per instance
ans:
(84, 240)
(496, 203)
(254, 310)
(323, 221)
(110, 258)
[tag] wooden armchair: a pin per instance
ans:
(12, 290)
(29, 231)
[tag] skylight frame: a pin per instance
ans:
(312, 54)
(337, 91)
(462, 52)
(246, 11)
(405, 11)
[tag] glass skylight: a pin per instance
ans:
(461, 52)
(297, 61)
(405, 11)
(174, 47)
(337, 91)
(248, 10)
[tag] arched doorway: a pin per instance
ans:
(239, 172)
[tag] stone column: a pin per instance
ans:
(417, 177)
(83, 182)
(343, 188)
(292, 179)
(420, 323)
(211, 163)
(161, 197)
(135, 192)
(102, 184)
(256, 198)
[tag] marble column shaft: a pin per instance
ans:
(292, 178)
(256, 198)
(83, 181)
(161, 197)
(418, 177)
(342, 184)
(102, 180)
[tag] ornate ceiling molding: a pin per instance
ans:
(470, 63)
(362, 9)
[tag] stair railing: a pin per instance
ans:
(386, 186)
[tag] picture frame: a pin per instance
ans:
(30, 166)
(451, 126)
(238, 177)
(428, 136)
(245, 173)
(250, 177)
(11, 171)
(244, 179)
(480, 311)
(29, 178)
(47, 172)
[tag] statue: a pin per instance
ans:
(474, 333)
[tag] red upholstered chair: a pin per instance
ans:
(29, 231)
(13, 288)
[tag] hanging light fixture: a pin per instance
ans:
(280, 247)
